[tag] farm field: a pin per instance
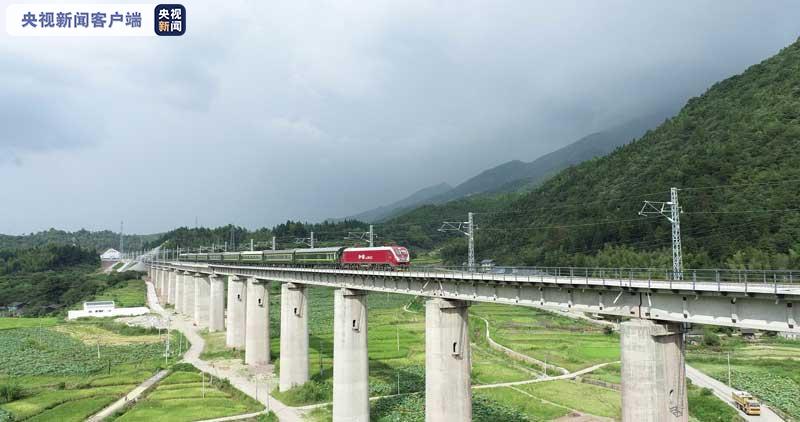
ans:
(188, 395)
(563, 341)
(9, 323)
(768, 367)
(56, 374)
(559, 340)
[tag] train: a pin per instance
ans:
(380, 257)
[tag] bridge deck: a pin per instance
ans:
(766, 303)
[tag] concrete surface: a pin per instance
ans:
(448, 395)
(294, 336)
(351, 371)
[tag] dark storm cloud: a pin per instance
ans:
(37, 111)
(274, 110)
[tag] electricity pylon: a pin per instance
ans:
(467, 228)
(306, 240)
(370, 236)
(672, 211)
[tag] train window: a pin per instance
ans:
(260, 302)
(455, 348)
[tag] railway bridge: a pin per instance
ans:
(652, 349)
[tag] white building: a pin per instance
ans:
(111, 255)
(104, 309)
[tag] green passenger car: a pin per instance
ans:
(251, 257)
(318, 256)
(230, 257)
(281, 257)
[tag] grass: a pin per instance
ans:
(768, 367)
(93, 332)
(396, 350)
(704, 406)
(215, 348)
(559, 340)
(535, 409)
(578, 396)
(131, 293)
(10, 323)
(60, 374)
(184, 396)
(609, 373)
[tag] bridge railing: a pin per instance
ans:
(621, 275)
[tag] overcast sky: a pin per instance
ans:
(266, 111)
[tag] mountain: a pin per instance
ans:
(733, 152)
(419, 197)
(519, 175)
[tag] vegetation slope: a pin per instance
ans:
(732, 152)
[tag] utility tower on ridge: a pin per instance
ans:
(672, 211)
(369, 236)
(467, 228)
(302, 240)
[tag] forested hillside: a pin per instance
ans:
(99, 241)
(47, 280)
(733, 152)
(285, 234)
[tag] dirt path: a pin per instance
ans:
(242, 381)
(133, 395)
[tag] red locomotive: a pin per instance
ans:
(377, 257)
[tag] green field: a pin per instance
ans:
(9, 323)
(130, 293)
(215, 348)
(706, 407)
(562, 341)
(58, 374)
(188, 395)
(768, 367)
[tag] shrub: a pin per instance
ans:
(10, 392)
(710, 338)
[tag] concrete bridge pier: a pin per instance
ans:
(162, 287)
(159, 284)
(216, 305)
(178, 289)
(448, 393)
(237, 300)
(202, 293)
(169, 277)
(294, 336)
(256, 349)
(156, 281)
(188, 294)
(653, 372)
(350, 361)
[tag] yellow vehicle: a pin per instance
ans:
(746, 403)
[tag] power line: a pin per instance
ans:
(744, 211)
(738, 185)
